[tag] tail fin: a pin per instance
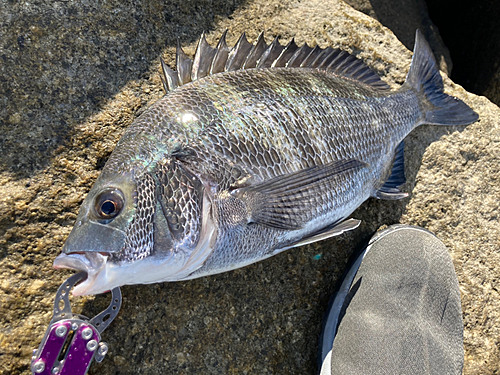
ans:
(424, 77)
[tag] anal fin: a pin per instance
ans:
(390, 189)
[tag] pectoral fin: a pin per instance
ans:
(284, 201)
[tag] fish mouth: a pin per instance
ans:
(93, 263)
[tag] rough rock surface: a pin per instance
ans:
(471, 31)
(403, 17)
(74, 75)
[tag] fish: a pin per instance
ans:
(253, 150)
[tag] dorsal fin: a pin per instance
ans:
(286, 55)
(221, 55)
(322, 57)
(255, 53)
(238, 54)
(169, 77)
(270, 54)
(299, 56)
(316, 51)
(202, 59)
(184, 64)
(245, 55)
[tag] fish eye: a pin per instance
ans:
(108, 204)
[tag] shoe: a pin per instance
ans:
(397, 310)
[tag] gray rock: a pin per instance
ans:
(403, 17)
(492, 90)
(265, 318)
(471, 31)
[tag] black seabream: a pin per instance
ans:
(254, 149)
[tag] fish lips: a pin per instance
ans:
(92, 263)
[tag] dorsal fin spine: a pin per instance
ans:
(238, 54)
(299, 56)
(184, 64)
(259, 47)
(221, 55)
(310, 57)
(321, 57)
(169, 77)
(265, 54)
(244, 55)
(275, 50)
(285, 55)
(203, 58)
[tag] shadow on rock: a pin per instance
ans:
(403, 18)
(61, 61)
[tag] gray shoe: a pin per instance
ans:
(398, 310)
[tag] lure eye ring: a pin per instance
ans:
(108, 204)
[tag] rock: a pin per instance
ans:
(403, 18)
(492, 91)
(82, 74)
(472, 33)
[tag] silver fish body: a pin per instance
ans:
(272, 151)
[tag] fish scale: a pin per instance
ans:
(252, 151)
(306, 122)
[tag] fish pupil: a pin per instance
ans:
(108, 204)
(108, 208)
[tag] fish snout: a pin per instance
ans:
(91, 236)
